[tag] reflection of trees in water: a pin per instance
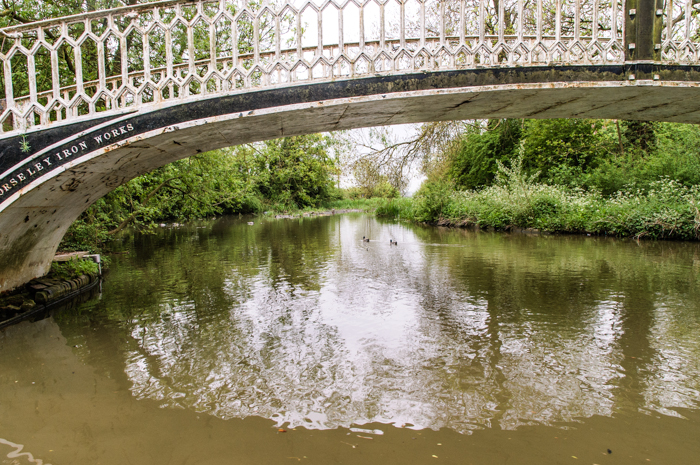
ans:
(538, 363)
(302, 322)
(577, 318)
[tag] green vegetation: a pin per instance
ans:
(370, 182)
(282, 175)
(584, 176)
(73, 269)
(607, 156)
(574, 176)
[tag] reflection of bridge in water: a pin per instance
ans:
(96, 99)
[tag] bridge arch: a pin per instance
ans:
(52, 169)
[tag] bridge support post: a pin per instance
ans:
(643, 26)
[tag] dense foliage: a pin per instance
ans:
(593, 154)
(73, 269)
(282, 174)
(601, 177)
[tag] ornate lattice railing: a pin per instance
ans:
(165, 52)
(681, 34)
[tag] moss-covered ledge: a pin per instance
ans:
(70, 275)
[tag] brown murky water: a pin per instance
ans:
(452, 347)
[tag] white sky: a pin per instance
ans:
(399, 133)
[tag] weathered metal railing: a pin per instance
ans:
(680, 34)
(165, 52)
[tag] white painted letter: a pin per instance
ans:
(129, 127)
(46, 160)
(98, 139)
(38, 166)
(83, 145)
(21, 177)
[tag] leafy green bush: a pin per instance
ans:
(432, 200)
(597, 155)
(73, 268)
(382, 189)
(283, 174)
(295, 171)
(84, 235)
(574, 143)
(665, 210)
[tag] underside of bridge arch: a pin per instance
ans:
(70, 167)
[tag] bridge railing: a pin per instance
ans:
(83, 66)
(681, 32)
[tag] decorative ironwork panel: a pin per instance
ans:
(161, 53)
(680, 35)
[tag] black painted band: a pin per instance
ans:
(139, 123)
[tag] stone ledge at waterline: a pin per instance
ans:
(41, 293)
(50, 290)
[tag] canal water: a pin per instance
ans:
(293, 341)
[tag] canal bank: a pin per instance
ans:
(666, 210)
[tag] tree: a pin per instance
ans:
(571, 142)
(475, 162)
(396, 160)
(295, 172)
(641, 134)
(371, 182)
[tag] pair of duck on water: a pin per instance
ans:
(391, 241)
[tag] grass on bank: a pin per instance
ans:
(73, 268)
(665, 209)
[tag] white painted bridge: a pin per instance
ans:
(93, 100)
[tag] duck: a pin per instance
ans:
(393, 242)
(365, 239)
